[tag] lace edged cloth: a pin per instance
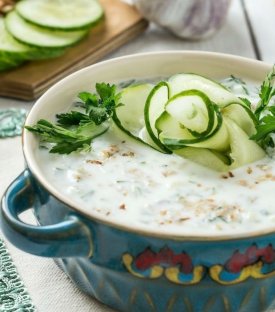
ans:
(13, 294)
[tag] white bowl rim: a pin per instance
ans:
(34, 169)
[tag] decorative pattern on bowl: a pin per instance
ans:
(178, 268)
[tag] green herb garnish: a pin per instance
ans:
(267, 91)
(265, 112)
(74, 131)
(246, 102)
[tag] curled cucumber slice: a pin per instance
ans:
(176, 137)
(193, 110)
(242, 149)
(61, 14)
(191, 119)
(194, 117)
(154, 107)
(242, 116)
(215, 91)
(130, 116)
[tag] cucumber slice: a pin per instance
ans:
(5, 65)
(146, 138)
(215, 91)
(205, 157)
(170, 129)
(191, 119)
(154, 107)
(10, 58)
(44, 53)
(175, 137)
(193, 110)
(242, 116)
(39, 37)
(130, 116)
(243, 150)
(8, 44)
(61, 14)
(12, 53)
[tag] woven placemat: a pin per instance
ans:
(14, 296)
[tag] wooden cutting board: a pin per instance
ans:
(122, 23)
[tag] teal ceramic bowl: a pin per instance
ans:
(128, 267)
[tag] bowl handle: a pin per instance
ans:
(69, 238)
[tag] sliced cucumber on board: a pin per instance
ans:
(61, 14)
(130, 116)
(215, 91)
(13, 53)
(39, 37)
(5, 65)
(154, 106)
(43, 29)
(9, 60)
(8, 44)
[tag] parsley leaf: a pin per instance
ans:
(100, 108)
(267, 91)
(246, 102)
(73, 118)
(265, 112)
(66, 141)
(266, 127)
(74, 131)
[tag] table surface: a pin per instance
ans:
(248, 31)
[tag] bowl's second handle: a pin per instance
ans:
(69, 238)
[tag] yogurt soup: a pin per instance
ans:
(135, 185)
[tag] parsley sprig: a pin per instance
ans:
(74, 131)
(265, 112)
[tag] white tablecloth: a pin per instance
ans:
(49, 287)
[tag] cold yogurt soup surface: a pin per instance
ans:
(131, 184)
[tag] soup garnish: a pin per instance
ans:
(189, 115)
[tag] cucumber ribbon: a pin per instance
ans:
(193, 117)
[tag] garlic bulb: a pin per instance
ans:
(192, 19)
